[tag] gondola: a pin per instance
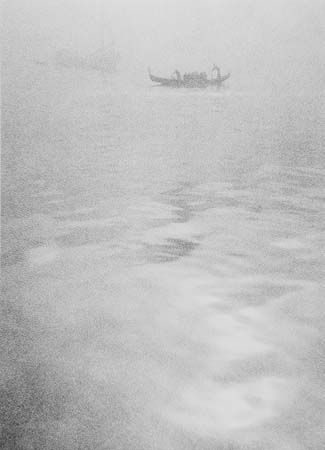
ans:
(191, 80)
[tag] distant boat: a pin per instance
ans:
(103, 60)
(40, 62)
(192, 79)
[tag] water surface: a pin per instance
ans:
(163, 261)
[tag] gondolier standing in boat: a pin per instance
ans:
(219, 77)
(178, 76)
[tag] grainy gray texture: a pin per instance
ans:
(163, 249)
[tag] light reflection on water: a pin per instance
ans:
(166, 310)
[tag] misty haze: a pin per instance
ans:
(163, 187)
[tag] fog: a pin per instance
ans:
(162, 248)
(276, 44)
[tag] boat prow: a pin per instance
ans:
(170, 82)
(225, 77)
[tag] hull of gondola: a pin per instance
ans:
(189, 83)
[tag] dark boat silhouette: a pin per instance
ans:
(192, 80)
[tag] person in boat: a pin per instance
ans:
(178, 76)
(191, 76)
(217, 69)
(194, 76)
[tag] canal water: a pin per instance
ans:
(163, 267)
